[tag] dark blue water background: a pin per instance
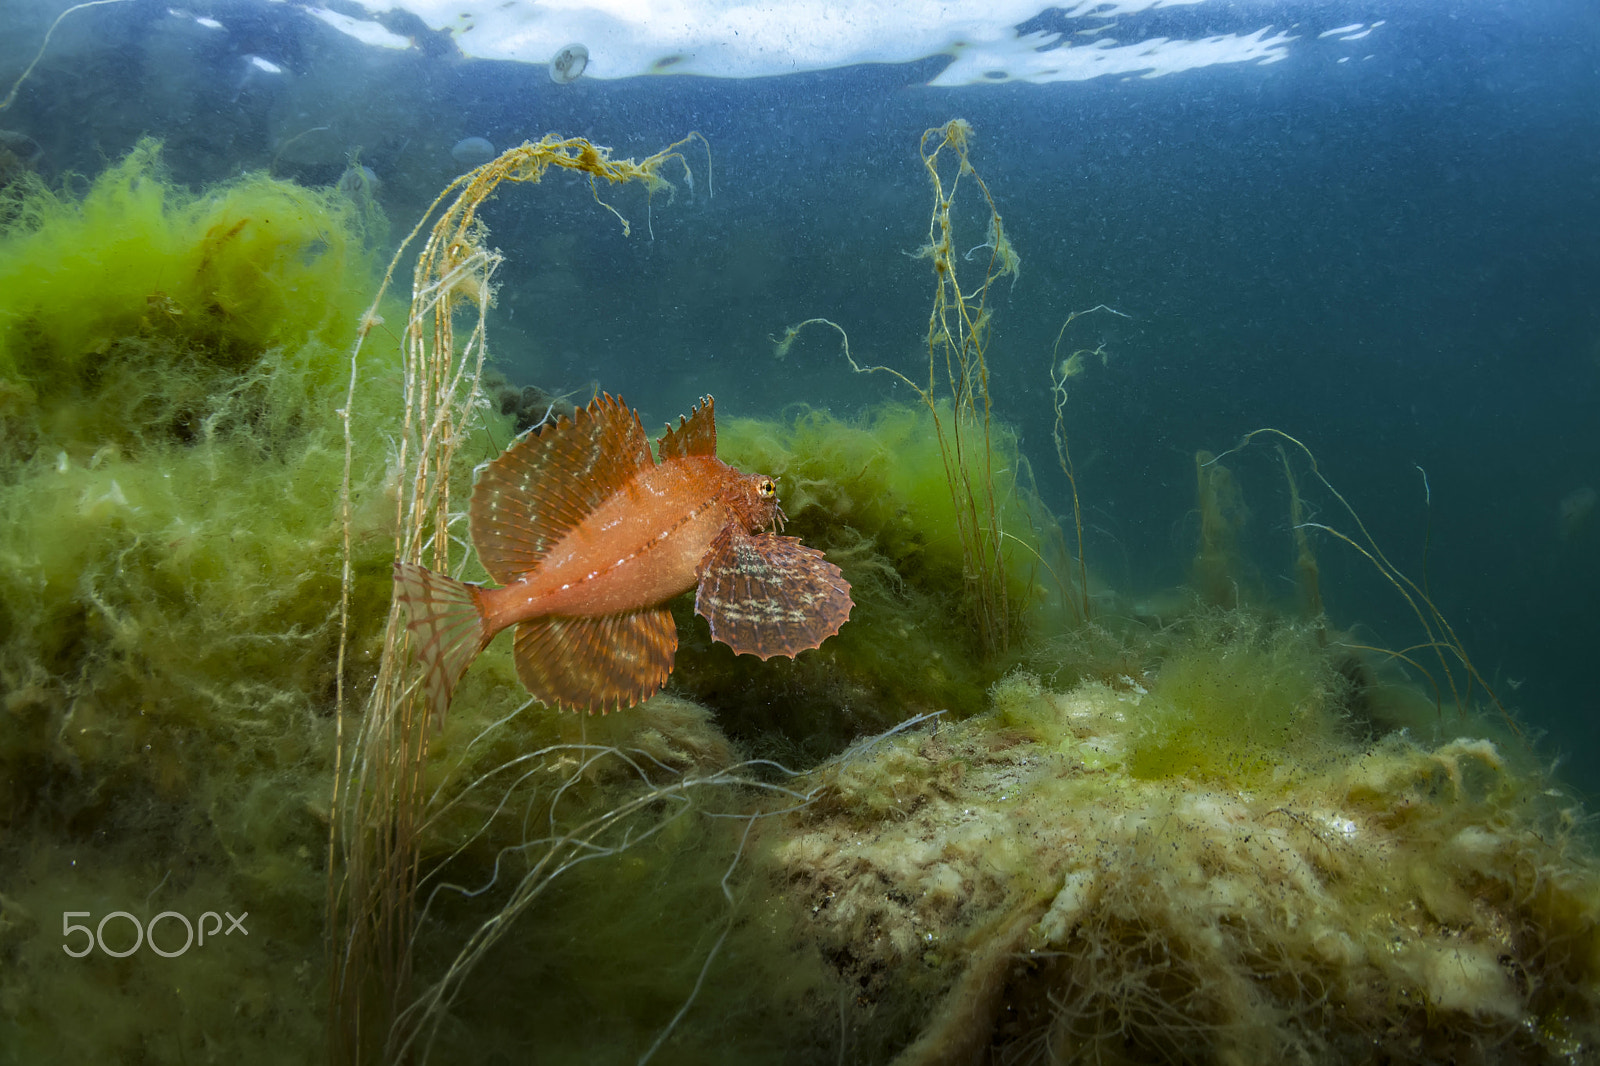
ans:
(1396, 258)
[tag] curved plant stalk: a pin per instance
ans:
(1441, 635)
(957, 387)
(1062, 370)
(378, 803)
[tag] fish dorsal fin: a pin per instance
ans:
(696, 435)
(550, 480)
(769, 595)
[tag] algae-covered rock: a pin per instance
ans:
(1031, 883)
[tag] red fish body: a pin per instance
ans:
(589, 537)
(642, 546)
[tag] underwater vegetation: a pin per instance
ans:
(381, 791)
(956, 394)
(20, 155)
(164, 365)
(1215, 573)
(170, 367)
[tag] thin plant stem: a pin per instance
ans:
(379, 801)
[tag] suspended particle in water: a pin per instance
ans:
(470, 151)
(569, 64)
(358, 181)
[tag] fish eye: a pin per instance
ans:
(767, 489)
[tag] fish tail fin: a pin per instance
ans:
(448, 619)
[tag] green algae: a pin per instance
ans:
(383, 814)
(170, 462)
(171, 368)
(639, 923)
(1238, 706)
(1216, 572)
(883, 475)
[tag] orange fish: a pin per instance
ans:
(589, 537)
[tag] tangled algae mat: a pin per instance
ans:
(170, 366)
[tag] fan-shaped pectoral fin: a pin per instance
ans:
(767, 595)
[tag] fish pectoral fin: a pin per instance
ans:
(768, 595)
(604, 663)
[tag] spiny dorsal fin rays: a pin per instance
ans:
(769, 595)
(695, 435)
(549, 481)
